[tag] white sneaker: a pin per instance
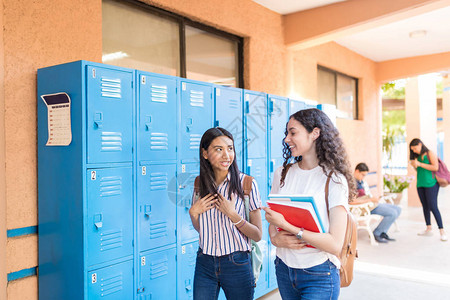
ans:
(444, 238)
(425, 233)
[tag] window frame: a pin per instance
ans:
(336, 73)
(182, 22)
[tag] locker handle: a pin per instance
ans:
(147, 210)
(98, 221)
(98, 120)
(147, 126)
(148, 123)
(189, 124)
(187, 284)
(187, 202)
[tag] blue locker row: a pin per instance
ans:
(113, 203)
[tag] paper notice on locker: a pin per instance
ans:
(59, 125)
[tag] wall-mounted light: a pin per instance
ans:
(417, 34)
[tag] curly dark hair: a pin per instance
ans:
(329, 147)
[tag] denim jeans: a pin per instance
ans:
(389, 213)
(316, 283)
(233, 273)
(428, 198)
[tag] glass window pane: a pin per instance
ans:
(135, 38)
(211, 58)
(326, 85)
(346, 97)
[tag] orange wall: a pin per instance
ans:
(355, 133)
(2, 169)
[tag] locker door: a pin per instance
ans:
(109, 115)
(272, 274)
(196, 118)
(229, 116)
(256, 120)
(295, 106)
(156, 206)
(157, 278)
(263, 281)
(185, 177)
(157, 115)
(258, 169)
(186, 268)
(278, 108)
(111, 283)
(109, 208)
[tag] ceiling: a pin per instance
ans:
(386, 42)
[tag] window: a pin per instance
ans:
(142, 37)
(340, 90)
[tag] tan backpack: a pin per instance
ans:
(349, 251)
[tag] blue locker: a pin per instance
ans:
(187, 255)
(157, 129)
(157, 274)
(279, 115)
(258, 169)
(197, 113)
(111, 283)
(256, 124)
(110, 214)
(229, 115)
(272, 274)
(109, 115)
(295, 106)
(263, 282)
(156, 196)
(185, 179)
(85, 197)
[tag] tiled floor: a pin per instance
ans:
(412, 268)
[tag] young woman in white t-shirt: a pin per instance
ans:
(314, 145)
(218, 214)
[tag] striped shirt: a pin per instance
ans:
(217, 235)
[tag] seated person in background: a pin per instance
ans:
(389, 212)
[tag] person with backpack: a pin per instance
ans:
(218, 214)
(319, 168)
(425, 162)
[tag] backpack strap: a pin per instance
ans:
(327, 188)
(247, 186)
(197, 185)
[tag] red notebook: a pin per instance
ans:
(298, 210)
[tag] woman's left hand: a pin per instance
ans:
(274, 218)
(225, 206)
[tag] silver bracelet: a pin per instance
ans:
(242, 219)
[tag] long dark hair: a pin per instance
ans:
(207, 177)
(416, 142)
(329, 147)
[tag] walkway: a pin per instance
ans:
(412, 268)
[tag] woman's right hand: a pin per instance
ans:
(202, 205)
(285, 239)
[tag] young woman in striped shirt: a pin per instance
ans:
(218, 214)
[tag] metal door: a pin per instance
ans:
(109, 214)
(109, 115)
(186, 267)
(256, 124)
(157, 278)
(111, 283)
(258, 169)
(196, 117)
(185, 178)
(229, 116)
(278, 112)
(157, 118)
(295, 106)
(156, 192)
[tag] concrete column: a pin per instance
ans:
(446, 116)
(420, 109)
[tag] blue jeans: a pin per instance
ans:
(389, 213)
(316, 283)
(233, 273)
(428, 198)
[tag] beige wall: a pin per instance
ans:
(43, 33)
(355, 133)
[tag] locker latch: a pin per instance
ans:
(98, 221)
(147, 210)
(187, 284)
(141, 290)
(98, 119)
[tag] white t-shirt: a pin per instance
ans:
(311, 182)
